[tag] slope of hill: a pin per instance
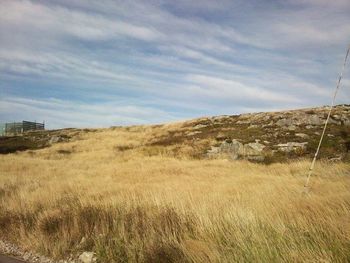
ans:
(263, 137)
(167, 193)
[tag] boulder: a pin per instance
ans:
(284, 122)
(254, 148)
(236, 150)
(314, 120)
(306, 119)
(233, 149)
(254, 151)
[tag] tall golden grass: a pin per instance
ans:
(109, 193)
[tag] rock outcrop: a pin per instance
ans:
(236, 150)
(286, 134)
(254, 151)
(292, 146)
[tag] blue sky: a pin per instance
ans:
(82, 63)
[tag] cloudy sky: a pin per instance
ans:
(82, 63)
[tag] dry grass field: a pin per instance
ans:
(108, 192)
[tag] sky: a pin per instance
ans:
(87, 63)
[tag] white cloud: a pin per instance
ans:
(187, 57)
(61, 21)
(233, 90)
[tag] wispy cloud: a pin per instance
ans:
(234, 91)
(169, 59)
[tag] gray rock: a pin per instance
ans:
(302, 135)
(336, 159)
(266, 125)
(314, 120)
(234, 149)
(253, 126)
(333, 121)
(254, 151)
(56, 139)
(199, 126)
(213, 151)
(336, 117)
(254, 148)
(291, 146)
(291, 128)
(87, 257)
(243, 122)
(10, 249)
(267, 118)
(284, 122)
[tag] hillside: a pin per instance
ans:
(262, 137)
(170, 193)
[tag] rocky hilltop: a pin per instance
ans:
(268, 136)
(262, 137)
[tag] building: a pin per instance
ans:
(14, 128)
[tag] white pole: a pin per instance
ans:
(326, 123)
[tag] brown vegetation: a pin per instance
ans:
(112, 192)
(194, 138)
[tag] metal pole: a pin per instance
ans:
(326, 123)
